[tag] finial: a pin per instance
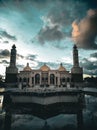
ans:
(13, 47)
(75, 47)
(60, 64)
(27, 64)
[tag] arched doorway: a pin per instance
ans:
(63, 81)
(52, 79)
(37, 79)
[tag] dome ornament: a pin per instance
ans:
(27, 68)
(45, 68)
(61, 68)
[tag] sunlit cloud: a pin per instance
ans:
(84, 32)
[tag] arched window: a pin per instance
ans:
(24, 79)
(37, 79)
(72, 80)
(63, 79)
(28, 80)
(68, 79)
(20, 79)
(52, 79)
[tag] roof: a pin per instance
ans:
(45, 68)
(27, 68)
(61, 68)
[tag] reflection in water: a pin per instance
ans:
(60, 122)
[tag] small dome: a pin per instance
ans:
(45, 68)
(27, 68)
(61, 68)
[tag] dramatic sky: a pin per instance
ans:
(44, 31)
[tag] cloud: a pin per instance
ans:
(5, 62)
(56, 23)
(90, 67)
(31, 57)
(94, 55)
(6, 42)
(20, 56)
(4, 34)
(50, 34)
(20, 67)
(85, 31)
(4, 53)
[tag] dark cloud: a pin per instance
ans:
(20, 56)
(4, 53)
(6, 42)
(20, 67)
(94, 55)
(32, 57)
(61, 15)
(50, 34)
(59, 45)
(4, 34)
(90, 67)
(57, 23)
(85, 32)
(91, 3)
(5, 62)
(21, 5)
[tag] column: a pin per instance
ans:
(48, 79)
(30, 81)
(55, 80)
(65, 81)
(8, 115)
(79, 120)
(40, 79)
(58, 81)
(34, 80)
(7, 121)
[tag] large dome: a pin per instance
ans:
(27, 68)
(61, 68)
(45, 68)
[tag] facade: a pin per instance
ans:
(44, 76)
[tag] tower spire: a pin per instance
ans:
(13, 56)
(75, 57)
(76, 71)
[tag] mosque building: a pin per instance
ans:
(44, 76)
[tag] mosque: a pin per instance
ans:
(44, 76)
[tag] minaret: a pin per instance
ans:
(75, 57)
(13, 56)
(76, 71)
(11, 70)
